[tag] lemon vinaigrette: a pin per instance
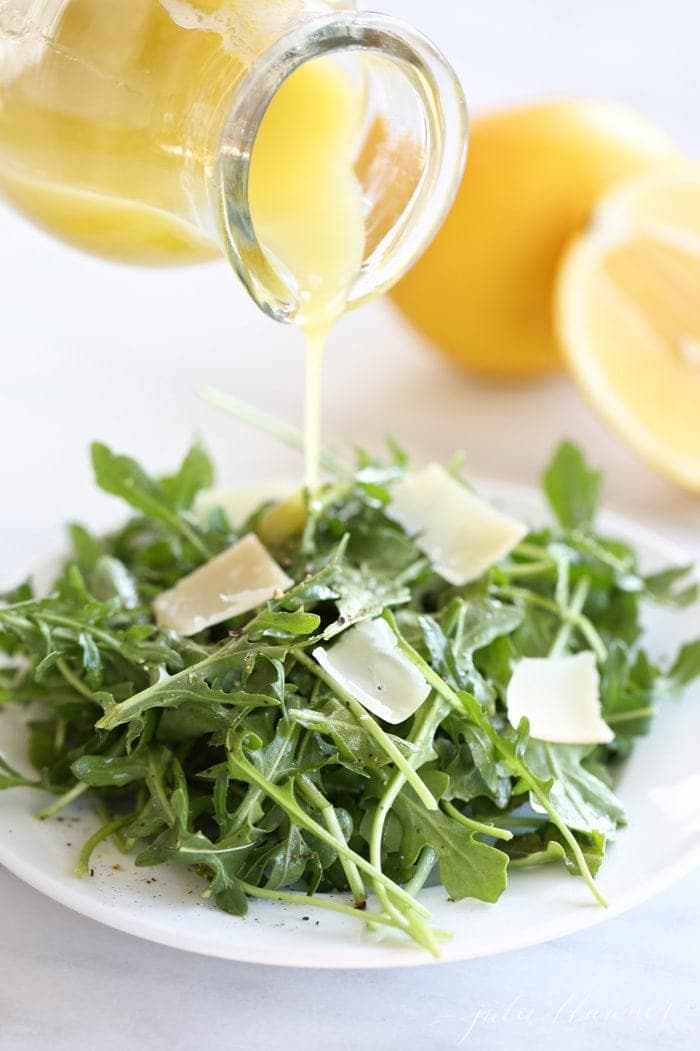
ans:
(317, 147)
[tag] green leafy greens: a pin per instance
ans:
(234, 753)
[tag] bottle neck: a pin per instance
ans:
(410, 151)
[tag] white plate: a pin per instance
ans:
(660, 786)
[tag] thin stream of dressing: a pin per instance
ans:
(315, 338)
(306, 203)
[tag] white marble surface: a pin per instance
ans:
(95, 351)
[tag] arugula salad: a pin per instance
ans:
(342, 697)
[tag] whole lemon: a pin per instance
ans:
(483, 290)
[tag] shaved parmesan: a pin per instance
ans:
(239, 579)
(560, 698)
(240, 503)
(367, 663)
(461, 534)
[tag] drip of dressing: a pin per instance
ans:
(306, 204)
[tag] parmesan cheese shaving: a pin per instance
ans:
(367, 663)
(239, 579)
(461, 534)
(560, 698)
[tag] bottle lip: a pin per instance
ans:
(445, 117)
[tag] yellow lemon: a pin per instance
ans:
(483, 290)
(628, 317)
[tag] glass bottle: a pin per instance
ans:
(127, 128)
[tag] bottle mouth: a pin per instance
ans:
(409, 165)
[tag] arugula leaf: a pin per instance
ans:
(222, 861)
(109, 578)
(479, 621)
(285, 861)
(196, 472)
(121, 476)
(473, 765)
(469, 868)
(361, 595)
(581, 800)
(105, 771)
(86, 548)
(283, 625)
(675, 588)
(572, 487)
(685, 669)
(630, 684)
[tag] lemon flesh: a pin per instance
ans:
(628, 316)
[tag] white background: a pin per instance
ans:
(90, 350)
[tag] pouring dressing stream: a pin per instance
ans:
(312, 220)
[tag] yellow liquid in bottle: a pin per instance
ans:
(306, 205)
(106, 133)
(103, 127)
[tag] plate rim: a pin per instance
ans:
(378, 957)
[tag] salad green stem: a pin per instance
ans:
(103, 833)
(286, 801)
(526, 821)
(565, 614)
(318, 502)
(269, 424)
(563, 585)
(315, 900)
(59, 737)
(426, 863)
(11, 777)
(329, 815)
(423, 732)
(124, 844)
(566, 832)
(534, 551)
(73, 680)
(60, 621)
(631, 716)
(476, 826)
(519, 570)
(157, 790)
(63, 801)
(578, 601)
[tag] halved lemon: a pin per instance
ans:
(482, 292)
(628, 317)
